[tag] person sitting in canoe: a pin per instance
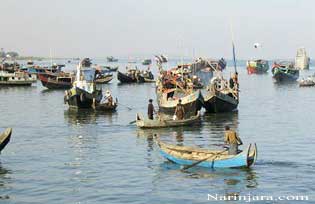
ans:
(179, 110)
(232, 140)
(151, 110)
(108, 98)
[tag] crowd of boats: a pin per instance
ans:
(181, 92)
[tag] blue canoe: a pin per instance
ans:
(212, 159)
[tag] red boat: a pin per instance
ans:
(56, 81)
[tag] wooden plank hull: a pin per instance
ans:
(53, 84)
(192, 104)
(106, 107)
(5, 138)
(210, 159)
(83, 99)
(160, 123)
(285, 76)
(104, 80)
(219, 103)
(123, 78)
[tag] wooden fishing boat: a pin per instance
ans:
(257, 66)
(111, 69)
(285, 72)
(130, 78)
(146, 62)
(168, 100)
(5, 138)
(186, 156)
(220, 96)
(56, 81)
(84, 93)
(106, 107)
(309, 81)
(112, 59)
(16, 78)
(165, 121)
(148, 76)
(104, 79)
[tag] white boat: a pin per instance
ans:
(302, 61)
(17, 78)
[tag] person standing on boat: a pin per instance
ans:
(179, 110)
(151, 110)
(232, 140)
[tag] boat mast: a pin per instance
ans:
(234, 58)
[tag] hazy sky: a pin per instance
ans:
(98, 28)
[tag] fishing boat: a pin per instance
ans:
(257, 66)
(84, 93)
(132, 76)
(309, 81)
(302, 61)
(165, 121)
(111, 69)
(190, 156)
(146, 62)
(103, 79)
(106, 107)
(169, 98)
(16, 78)
(221, 95)
(148, 76)
(112, 59)
(5, 138)
(285, 72)
(56, 81)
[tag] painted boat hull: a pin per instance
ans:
(157, 123)
(244, 159)
(123, 78)
(83, 99)
(191, 107)
(104, 80)
(219, 103)
(257, 67)
(281, 76)
(5, 138)
(53, 84)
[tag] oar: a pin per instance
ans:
(132, 122)
(125, 106)
(198, 162)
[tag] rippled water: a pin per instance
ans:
(62, 156)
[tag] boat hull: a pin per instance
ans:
(53, 84)
(104, 80)
(191, 106)
(280, 76)
(5, 138)
(257, 67)
(219, 103)
(244, 159)
(123, 78)
(160, 123)
(83, 99)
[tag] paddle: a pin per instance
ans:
(125, 106)
(198, 162)
(132, 122)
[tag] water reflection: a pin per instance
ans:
(87, 116)
(4, 181)
(217, 121)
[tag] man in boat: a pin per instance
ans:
(179, 110)
(151, 110)
(108, 98)
(232, 140)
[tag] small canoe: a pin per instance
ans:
(104, 79)
(307, 82)
(162, 123)
(107, 107)
(210, 159)
(5, 138)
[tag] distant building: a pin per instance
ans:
(302, 61)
